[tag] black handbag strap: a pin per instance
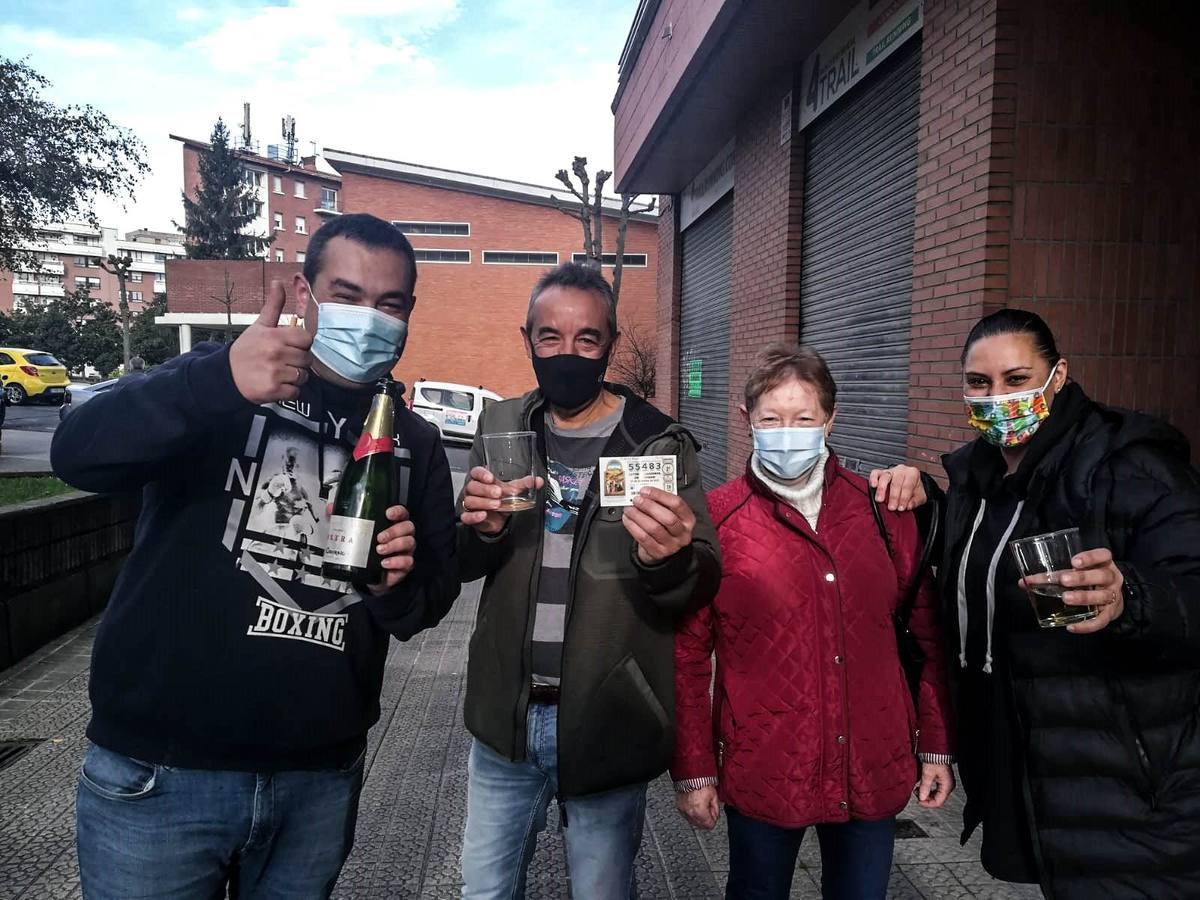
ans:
(910, 597)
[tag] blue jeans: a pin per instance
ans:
(506, 808)
(856, 858)
(157, 832)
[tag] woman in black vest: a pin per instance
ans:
(1079, 747)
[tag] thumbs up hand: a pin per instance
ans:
(270, 363)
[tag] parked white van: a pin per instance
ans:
(453, 408)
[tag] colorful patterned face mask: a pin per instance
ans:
(1009, 420)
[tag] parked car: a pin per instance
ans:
(32, 375)
(453, 408)
(82, 393)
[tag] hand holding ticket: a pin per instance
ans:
(622, 477)
(656, 517)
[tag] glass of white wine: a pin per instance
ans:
(1042, 561)
(509, 457)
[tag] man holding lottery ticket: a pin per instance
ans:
(570, 680)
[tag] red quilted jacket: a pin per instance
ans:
(811, 719)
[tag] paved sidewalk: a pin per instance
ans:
(411, 819)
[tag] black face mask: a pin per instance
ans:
(570, 382)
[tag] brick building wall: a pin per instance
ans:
(196, 284)
(465, 328)
(766, 251)
(1107, 200)
(669, 288)
(963, 210)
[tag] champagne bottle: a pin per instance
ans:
(366, 490)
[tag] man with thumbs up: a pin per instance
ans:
(233, 681)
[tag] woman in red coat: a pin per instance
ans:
(811, 721)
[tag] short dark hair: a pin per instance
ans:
(780, 362)
(576, 275)
(1015, 321)
(363, 228)
(136, 362)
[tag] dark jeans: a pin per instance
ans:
(856, 858)
(149, 831)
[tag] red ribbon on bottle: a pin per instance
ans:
(367, 445)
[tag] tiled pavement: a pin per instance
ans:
(411, 818)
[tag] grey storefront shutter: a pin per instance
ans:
(704, 337)
(856, 281)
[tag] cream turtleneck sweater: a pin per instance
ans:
(804, 493)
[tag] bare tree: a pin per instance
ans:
(635, 364)
(227, 301)
(590, 213)
(119, 266)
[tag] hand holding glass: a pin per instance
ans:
(1042, 561)
(509, 457)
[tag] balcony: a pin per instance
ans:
(33, 289)
(327, 208)
(42, 267)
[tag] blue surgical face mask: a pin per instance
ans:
(788, 453)
(360, 343)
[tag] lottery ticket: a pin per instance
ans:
(621, 477)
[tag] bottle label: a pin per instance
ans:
(367, 445)
(349, 541)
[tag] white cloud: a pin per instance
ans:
(352, 81)
(191, 14)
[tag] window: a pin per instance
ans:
(301, 226)
(452, 399)
(253, 179)
(299, 188)
(630, 260)
(135, 296)
(6, 360)
(278, 256)
(328, 199)
(41, 359)
(135, 277)
(279, 221)
(520, 258)
(443, 256)
(82, 282)
(162, 257)
(299, 256)
(451, 229)
(87, 262)
(277, 184)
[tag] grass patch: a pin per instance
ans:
(34, 487)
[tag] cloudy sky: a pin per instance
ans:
(510, 88)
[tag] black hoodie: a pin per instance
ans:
(223, 647)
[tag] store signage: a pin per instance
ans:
(714, 182)
(695, 377)
(864, 39)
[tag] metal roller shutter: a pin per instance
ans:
(704, 337)
(856, 281)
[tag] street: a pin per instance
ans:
(26, 438)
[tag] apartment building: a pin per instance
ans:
(67, 256)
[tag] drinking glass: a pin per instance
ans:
(509, 457)
(1042, 561)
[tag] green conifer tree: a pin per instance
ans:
(215, 222)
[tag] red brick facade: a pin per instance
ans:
(198, 285)
(766, 250)
(669, 286)
(465, 328)
(963, 212)
(1056, 172)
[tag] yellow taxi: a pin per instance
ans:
(32, 375)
